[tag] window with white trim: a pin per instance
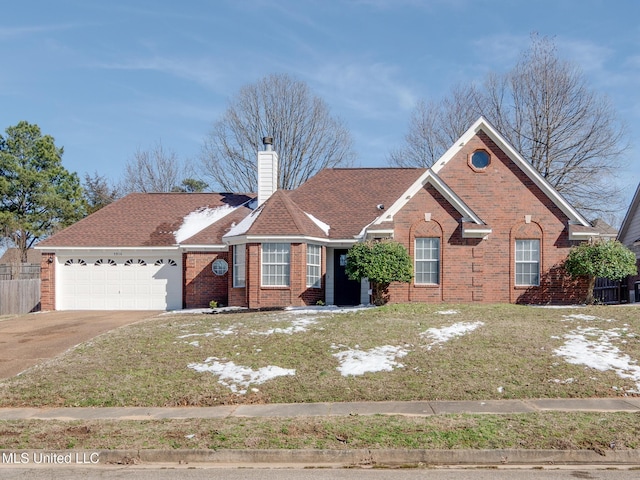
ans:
(239, 269)
(314, 257)
(427, 261)
(275, 264)
(528, 262)
(219, 266)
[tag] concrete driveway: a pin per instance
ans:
(26, 340)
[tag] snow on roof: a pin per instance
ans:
(323, 226)
(200, 219)
(244, 225)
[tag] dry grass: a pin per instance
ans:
(510, 356)
(561, 431)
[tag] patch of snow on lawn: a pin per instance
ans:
(325, 309)
(297, 326)
(201, 311)
(238, 378)
(379, 359)
(216, 331)
(593, 347)
(448, 312)
(444, 334)
(586, 318)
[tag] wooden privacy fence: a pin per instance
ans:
(19, 271)
(19, 296)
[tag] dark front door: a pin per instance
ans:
(346, 292)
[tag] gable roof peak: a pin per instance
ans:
(278, 216)
(482, 124)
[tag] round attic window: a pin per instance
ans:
(220, 266)
(480, 159)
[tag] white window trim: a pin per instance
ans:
(313, 280)
(280, 280)
(434, 260)
(527, 262)
(239, 266)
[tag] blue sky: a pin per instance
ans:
(106, 78)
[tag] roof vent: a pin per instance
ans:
(380, 206)
(268, 143)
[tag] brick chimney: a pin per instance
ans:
(267, 171)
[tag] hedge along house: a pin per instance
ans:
(482, 225)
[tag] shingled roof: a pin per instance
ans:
(278, 216)
(347, 199)
(146, 220)
(334, 204)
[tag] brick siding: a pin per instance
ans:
(47, 282)
(483, 270)
(201, 285)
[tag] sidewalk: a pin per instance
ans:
(416, 408)
(365, 458)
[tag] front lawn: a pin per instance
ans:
(397, 352)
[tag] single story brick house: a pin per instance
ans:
(481, 225)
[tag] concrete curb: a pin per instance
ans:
(321, 458)
(394, 457)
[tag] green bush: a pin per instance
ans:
(600, 259)
(381, 262)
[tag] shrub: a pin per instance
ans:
(381, 262)
(600, 259)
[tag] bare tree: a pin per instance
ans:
(306, 137)
(98, 192)
(422, 146)
(155, 170)
(546, 110)
(433, 127)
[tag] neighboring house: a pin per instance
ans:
(605, 231)
(629, 235)
(482, 225)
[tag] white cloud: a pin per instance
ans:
(371, 89)
(202, 71)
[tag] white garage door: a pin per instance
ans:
(119, 283)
